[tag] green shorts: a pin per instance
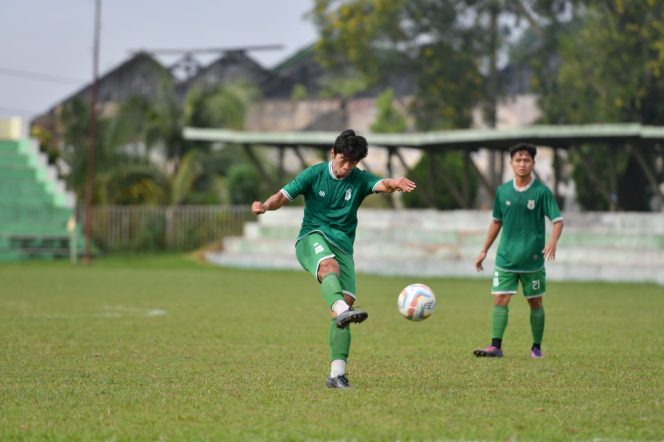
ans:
(532, 283)
(314, 248)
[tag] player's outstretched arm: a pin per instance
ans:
(390, 185)
(272, 203)
(550, 249)
(494, 228)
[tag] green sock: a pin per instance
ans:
(331, 288)
(537, 324)
(499, 321)
(339, 341)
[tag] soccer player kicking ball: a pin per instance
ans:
(333, 192)
(519, 209)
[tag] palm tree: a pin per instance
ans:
(142, 157)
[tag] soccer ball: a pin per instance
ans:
(416, 302)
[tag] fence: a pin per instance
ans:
(176, 228)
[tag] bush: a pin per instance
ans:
(454, 165)
(243, 184)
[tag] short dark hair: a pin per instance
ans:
(353, 147)
(530, 148)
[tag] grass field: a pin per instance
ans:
(164, 348)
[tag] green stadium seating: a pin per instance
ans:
(34, 206)
(619, 246)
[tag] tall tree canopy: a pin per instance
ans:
(452, 46)
(609, 68)
(379, 37)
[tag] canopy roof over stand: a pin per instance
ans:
(633, 137)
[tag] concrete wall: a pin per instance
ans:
(594, 246)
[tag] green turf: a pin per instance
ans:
(163, 348)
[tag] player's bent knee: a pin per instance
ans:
(326, 267)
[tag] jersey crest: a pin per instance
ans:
(531, 204)
(348, 192)
(321, 193)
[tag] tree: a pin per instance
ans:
(451, 46)
(389, 119)
(378, 38)
(142, 157)
(150, 123)
(220, 106)
(610, 70)
(455, 167)
(47, 144)
(299, 93)
(125, 172)
(75, 123)
(242, 180)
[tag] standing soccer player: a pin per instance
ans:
(519, 209)
(333, 192)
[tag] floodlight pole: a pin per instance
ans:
(89, 184)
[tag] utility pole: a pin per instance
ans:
(89, 184)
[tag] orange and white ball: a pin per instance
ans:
(416, 302)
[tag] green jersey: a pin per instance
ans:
(522, 213)
(331, 203)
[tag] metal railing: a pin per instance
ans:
(173, 228)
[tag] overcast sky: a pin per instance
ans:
(46, 50)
